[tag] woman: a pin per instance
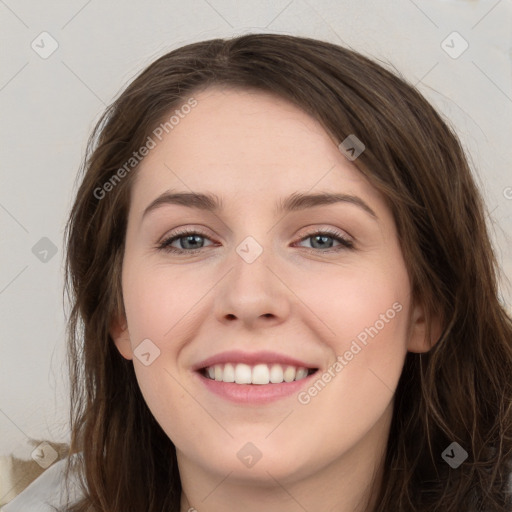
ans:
(222, 357)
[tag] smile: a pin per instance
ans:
(254, 378)
(259, 374)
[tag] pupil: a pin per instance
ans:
(322, 239)
(191, 238)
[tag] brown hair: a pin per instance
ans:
(459, 391)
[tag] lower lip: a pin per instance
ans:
(254, 393)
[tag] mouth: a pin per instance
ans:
(254, 378)
(259, 374)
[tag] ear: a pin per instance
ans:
(418, 341)
(121, 337)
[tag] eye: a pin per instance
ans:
(190, 241)
(320, 239)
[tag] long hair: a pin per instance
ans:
(460, 391)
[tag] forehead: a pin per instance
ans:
(246, 145)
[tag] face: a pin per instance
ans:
(306, 305)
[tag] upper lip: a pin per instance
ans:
(251, 358)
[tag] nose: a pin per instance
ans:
(252, 293)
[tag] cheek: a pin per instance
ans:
(368, 354)
(158, 308)
(348, 301)
(160, 300)
(170, 403)
(161, 305)
(363, 314)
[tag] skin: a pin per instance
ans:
(252, 149)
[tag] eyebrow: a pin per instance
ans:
(295, 202)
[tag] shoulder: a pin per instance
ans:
(46, 492)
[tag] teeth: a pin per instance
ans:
(276, 374)
(229, 373)
(242, 373)
(289, 374)
(301, 373)
(258, 374)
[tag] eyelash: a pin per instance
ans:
(165, 245)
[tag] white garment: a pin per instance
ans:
(46, 490)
